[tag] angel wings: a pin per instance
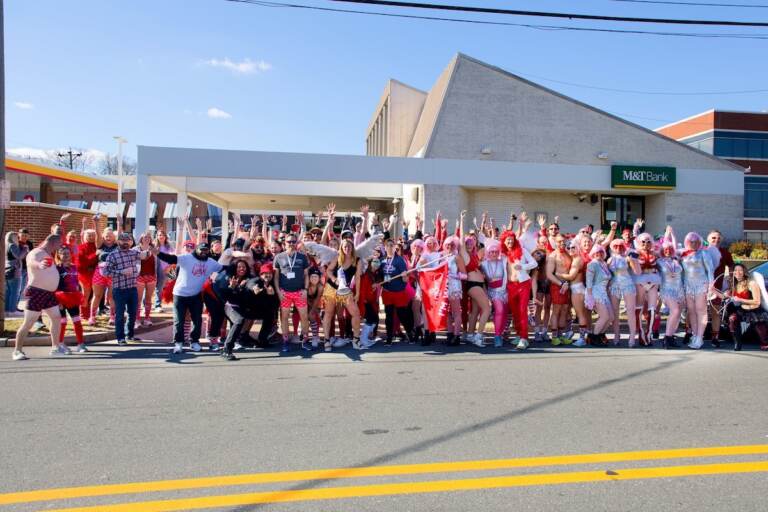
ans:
(325, 255)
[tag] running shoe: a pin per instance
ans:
(498, 341)
(556, 340)
(18, 355)
(92, 321)
(64, 349)
(566, 340)
(214, 347)
(122, 342)
(177, 348)
(81, 348)
(195, 346)
(284, 348)
(239, 347)
(146, 322)
(522, 344)
(229, 356)
(580, 343)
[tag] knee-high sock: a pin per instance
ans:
(78, 326)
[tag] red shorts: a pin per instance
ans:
(146, 279)
(557, 297)
(291, 299)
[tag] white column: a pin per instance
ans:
(181, 210)
(142, 204)
(224, 224)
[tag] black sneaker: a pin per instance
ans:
(229, 356)
(133, 339)
(122, 342)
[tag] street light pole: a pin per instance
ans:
(120, 141)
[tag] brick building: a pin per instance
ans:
(741, 138)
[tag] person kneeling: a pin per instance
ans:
(249, 299)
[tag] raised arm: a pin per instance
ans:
(611, 234)
(331, 212)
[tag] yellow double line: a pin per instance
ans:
(327, 493)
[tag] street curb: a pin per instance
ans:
(90, 337)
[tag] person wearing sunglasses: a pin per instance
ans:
(291, 280)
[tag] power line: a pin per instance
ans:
(264, 3)
(697, 4)
(634, 91)
(570, 16)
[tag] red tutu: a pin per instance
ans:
(69, 300)
(167, 294)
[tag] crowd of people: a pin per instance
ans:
(320, 286)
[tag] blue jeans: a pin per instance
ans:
(125, 298)
(159, 286)
(12, 294)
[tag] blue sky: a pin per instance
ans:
(80, 71)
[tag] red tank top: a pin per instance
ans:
(148, 267)
(474, 263)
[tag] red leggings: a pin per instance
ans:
(519, 294)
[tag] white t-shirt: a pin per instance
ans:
(192, 273)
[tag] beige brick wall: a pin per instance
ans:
(702, 213)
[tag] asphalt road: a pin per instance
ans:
(120, 415)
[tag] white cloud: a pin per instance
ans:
(28, 153)
(23, 105)
(244, 67)
(216, 113)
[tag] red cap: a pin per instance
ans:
(266, 268)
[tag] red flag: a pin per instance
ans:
(434, 296)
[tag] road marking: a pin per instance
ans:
(375, 471)
(469, 484)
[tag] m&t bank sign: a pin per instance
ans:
(635, 176)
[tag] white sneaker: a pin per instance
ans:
(195, 346)
(477, 339)
(696, 343)
(146, 322)
(63, 349)
(580, 342)
(157, 309)
(340, 342)
(238, 346)
(522, 344)
(315, 342)
(177, 348)
(81, 348)
(18, 355)
(92, 321)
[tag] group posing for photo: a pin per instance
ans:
(320, 287)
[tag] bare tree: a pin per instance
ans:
(82, 159)
(108, 165)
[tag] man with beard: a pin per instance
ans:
(192, 271)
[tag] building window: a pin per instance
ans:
(623, 209)
(756, 197)
(756, 236)
(731, 147)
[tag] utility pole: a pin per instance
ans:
(3, 249)
(72, 155)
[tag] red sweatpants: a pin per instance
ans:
(519, 294)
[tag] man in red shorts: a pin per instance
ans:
(291, 281)
(558, 263)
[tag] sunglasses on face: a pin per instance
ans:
(291, 242)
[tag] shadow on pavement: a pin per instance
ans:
(429, 443)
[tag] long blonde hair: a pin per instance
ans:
(341, 252)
